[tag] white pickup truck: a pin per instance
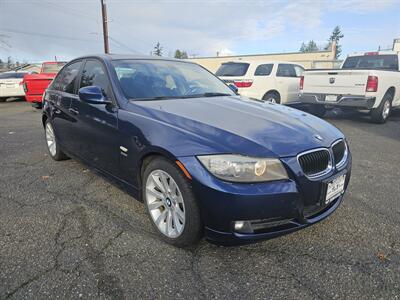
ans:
(366, 81)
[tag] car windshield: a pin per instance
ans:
(232, 69)
(11, 75)
(164, 79)
(386, 62)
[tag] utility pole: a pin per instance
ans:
(105, 28)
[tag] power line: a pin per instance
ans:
(121, 45)
(71, 11)
(52, 36)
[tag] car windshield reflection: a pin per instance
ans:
(161, 79)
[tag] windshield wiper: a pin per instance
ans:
(181, 96)
(213, 94)
(158, 98)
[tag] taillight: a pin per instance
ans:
(243, 83)
(301, 82)
(372, 84)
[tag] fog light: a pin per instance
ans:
(239, 225)
(243, 227)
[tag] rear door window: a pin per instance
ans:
(299, 70)
(66, 80)
(263, 70)
(232, 69)
(286, 70)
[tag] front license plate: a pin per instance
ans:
(335, 188)
(331, 98)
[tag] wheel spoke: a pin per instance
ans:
(164, 181)
(161, 218)
(154, 193)
(155, 205)
(169, 223)
(176, 221)
(179, 199)
(174, 189)
(180, 214)
(157, 183)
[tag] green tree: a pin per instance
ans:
(335, 37)
(303, 47)
(180, 54)
(311, 46)
(158, 49)
(9, 62)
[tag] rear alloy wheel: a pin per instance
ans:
(382, 112)
(51, 142)
(170, 203)
(272, 97)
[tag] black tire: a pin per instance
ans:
(348, 109)
(273, 97)
(3, 99)
(193, 227)
(58, 154)
(37, 105)
(317, 110)
(380, 115)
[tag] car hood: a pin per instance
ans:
(245, 126)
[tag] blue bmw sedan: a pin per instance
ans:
(205, 161)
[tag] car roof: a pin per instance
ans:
(261, 62)
(385, 52)
(111, 57)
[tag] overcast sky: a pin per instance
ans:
(34, 30)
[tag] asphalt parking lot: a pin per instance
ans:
(65, 232)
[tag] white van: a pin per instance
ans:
(272, 81)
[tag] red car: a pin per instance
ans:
(35, 84)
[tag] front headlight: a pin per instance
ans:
(239, 168)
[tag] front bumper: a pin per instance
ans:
(360, 102)
(286, 206)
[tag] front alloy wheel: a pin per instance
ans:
(165, 203)
(170, 202)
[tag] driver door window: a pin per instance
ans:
(93, 74)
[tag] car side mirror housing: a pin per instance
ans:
(92, 94)
(234, 88)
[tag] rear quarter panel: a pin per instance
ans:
(36, 84)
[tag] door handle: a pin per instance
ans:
(73, 111)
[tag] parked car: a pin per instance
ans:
(202, 159)
(10, 85)
(277, 82)
(35, 84)
(369, 81)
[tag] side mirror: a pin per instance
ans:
(233, 88)
(92, 94)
